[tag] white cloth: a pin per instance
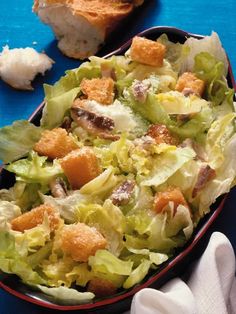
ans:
(210, 289)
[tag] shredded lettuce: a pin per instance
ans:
(35, 169)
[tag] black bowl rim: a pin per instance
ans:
(199, 235)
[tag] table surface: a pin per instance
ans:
(19, 27)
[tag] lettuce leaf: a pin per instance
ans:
(67, 207)
(211, 70)
(56, 108)
(8, 211)
(64, 295)
(138, 274)
(35, 169)
(174, 103)
(210, 44)
(102, 185)
(165, 165)
(175, 52)
(224, 180)
(106, 262)
(11, 261)
(17, 140)
(217, 137)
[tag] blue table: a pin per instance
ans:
(20, 28)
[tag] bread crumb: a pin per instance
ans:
(19, 66)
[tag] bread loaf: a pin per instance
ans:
(81, 26)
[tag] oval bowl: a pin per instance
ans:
(171, 268)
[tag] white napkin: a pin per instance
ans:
(210, 289)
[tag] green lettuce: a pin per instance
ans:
(175, 103)
(138, 274)
(13, 263)
(67, 206)
(210, 44)
(64, 295)
(211, 70)
(217, 137)
(106, 262)
(102, 185)
(224, 180)
(175, 52)
(8, 211)
(17, 140)
(165, 165)
(35, 169)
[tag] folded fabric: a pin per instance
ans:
(210, 289)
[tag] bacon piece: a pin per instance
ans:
(58, 188)
(93, 123)
(66, 124)
(122, 194)
(139, 90)
(205, 174)
(161, 134)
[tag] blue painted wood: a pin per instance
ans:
(19, 27)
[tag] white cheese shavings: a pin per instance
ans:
(19, 66)
(122, 116)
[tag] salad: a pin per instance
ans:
(130, 154)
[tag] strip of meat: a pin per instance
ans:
(93, 123)
(205, 174)
(122, 194)
(58, 188)
(139, 90)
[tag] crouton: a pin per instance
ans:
(81, 241)
(161, 134)
(99, 89)
(101, 287)
(188, 84)
(80, 166)
(35, 217)
(172, 194)
(147, 51)
(55, 143)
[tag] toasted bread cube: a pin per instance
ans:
(81, 241)
(147, 51)
(55, 143)
(80, 166)
(173, 194)
(161, 134)
(99, 89)
(188, 83)
(35, 217)
(101, 287)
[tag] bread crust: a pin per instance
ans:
(102, 14)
